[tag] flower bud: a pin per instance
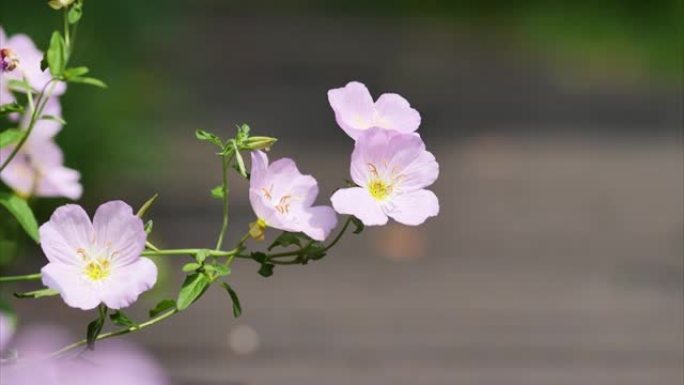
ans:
(257, 229)
(259, 143)
(8, 60)
(59, 4)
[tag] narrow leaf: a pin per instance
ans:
(193, 287)
(162, 306)
(237, 308)
(89, 81)
(121, 319)
(285, 239)
(359, 226)
(95, 327)
(56, 54)
(74, 72)
(146, 206)
(37, 293)
(10, 108)
(22, 212)
(57, 119)
(10, 136)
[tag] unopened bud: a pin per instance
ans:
(8, 60)
(257, 229)
(59, 4)
(259, 143)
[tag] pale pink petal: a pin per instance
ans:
(120, 231)
(371, 148)
(353, 106)
(19, 174)
(317, 222)
(68, 230)
(259, 166)
(420, 173)
(413, 208)
(60, 182)
(6, 330)
(357, 201)
(395, 113)
(126, 283)
(75, 290)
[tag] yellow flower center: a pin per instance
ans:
(379, 189)
(97, 270)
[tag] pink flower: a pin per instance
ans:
(356, 112)
(98, 262)
(282, 198)
(6, 330)
(392, 170)
(111, 363)
(29, 58)
(38, 168)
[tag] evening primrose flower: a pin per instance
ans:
(38, 168)
(98, 262)
(26, 57)
(282, 198)
(356, 112)
(391, 170)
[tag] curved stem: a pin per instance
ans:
(225, 164)
(120, 332)
(40, 104)
(17, 278)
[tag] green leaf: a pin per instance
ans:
(56, 54)
(315, 251)
(259, 257)
(75, 72)
(22, 212)
(286, 239)
(359, 226)
(192, 266)
(243, 133)
(75, 13)
(240, 163)
(217, 269)
(217, 192)
(146, 206)
(201, 256)
(19, 85)
(121, 319)
(89, 81)
(9, 108)
(266, 270)
(193, 287)
(162, 306)
(208, 137)
(148, 226)
(57, 119)
(10, 136)
(37, 293)
(95, 327)
(237, 308)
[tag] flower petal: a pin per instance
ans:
(395, 113)
(353, 106)
(128, 282)
(60, 182)
(259, 166)
(74, 289)
(68, 230)
(317, 222)
(413, 208)
(358, 202)
(120, 231)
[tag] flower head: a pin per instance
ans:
(356, 112)
(391, 170)
(111, 363)
(282, 198)
(98, 262)
(26, 58)
(38, 168)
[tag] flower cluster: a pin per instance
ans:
(389, 164)
(102, 263)
(37, 168)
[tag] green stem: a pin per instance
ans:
(225, 165)
(37, 111)
(17, 278)
(120, 332)
(213, 253)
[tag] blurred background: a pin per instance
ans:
(557, 255)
